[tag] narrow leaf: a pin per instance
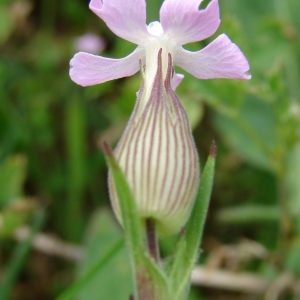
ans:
(131, 223)
(159, 281)
(149, 277)
(188, 246)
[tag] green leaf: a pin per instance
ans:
(131, 223)
(188, 245)
(130, 219)
(158, 279)
(251, 131)
(75, 141)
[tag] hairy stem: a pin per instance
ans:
(152, 242)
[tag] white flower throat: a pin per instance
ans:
(156, 41)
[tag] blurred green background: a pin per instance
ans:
(53, 173)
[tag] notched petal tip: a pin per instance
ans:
(73, 59)
(95, 5)
(186, 22)
(73, 71)
(219, 59)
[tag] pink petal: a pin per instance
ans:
(127, 19)
(88, 69)
(220, 59)
(175, 81)
(183, 21)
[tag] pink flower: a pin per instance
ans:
(181, 22)
(158, 156)
(157, 152)
(89, 42)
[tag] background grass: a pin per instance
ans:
(50, 159)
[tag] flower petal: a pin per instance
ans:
(88, 69)
(183, 21)
(127, 19)
(220, 59)
(175, 81)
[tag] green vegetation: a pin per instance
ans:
(53, 171)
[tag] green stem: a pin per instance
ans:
(75, 143)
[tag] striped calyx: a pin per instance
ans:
(158, 155)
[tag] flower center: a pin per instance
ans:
(157, 40)
(155, 28)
